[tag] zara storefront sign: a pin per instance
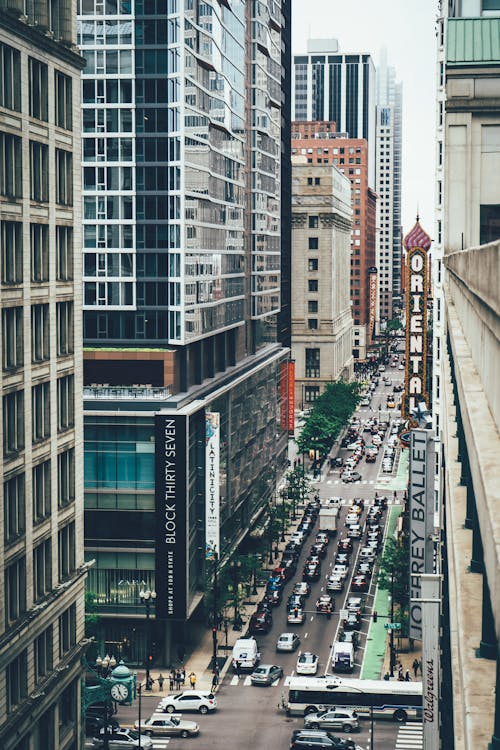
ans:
(212, 487)
(170, 495)
(421, 497)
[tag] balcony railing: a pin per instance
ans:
(125, 392)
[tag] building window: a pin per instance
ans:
(38, 89)
(39, 240)
(40, 411)
(312, 363)
(66, 478)
(10, 78)
(16, 675)
(11, 185)
(15, 591)
(312, 306)
(65, 403)
(44, 647)
(67, 630)
(489, 223)
(63, 86)
(11, 239)
(42, 570)
(64, 177)
(41, 477)
(13, 508)
(312, 324)
(313, 222)
(39, 172)
(313, 243)
(311, 393)
(64, 253)
(312, 264)
(66, 549)
(317, 181)
(312, 285)
(13, 423)
(40, 344)
(67, 709)
(309, 180)
(64, 311)
(13, 337)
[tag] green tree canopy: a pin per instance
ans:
(396, 562)
(330, 413)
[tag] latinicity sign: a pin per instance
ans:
(373, 278)
(417, 242)
(212, 487)
(421, 498)
(170, 495)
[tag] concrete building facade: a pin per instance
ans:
(321, 310)
(466, 405)
(41, 517)
(182, 310)
(319, 143)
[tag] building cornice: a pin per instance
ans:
(34, 37)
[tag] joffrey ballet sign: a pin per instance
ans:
(416, 243)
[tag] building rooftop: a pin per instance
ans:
(473, 41)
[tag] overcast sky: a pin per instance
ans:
(407, 29)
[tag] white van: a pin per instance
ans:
(343, 657)
(246, 653)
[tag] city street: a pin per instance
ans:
(249, 716)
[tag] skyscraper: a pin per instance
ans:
(41, 549)
(185, 116)
(388, 186)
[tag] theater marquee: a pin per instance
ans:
(416, 243)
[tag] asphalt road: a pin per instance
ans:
(247, 716)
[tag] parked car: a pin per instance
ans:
(307, 663)
(335, 718)
(260, 622)
(287, 642)
(345, 545)
(274, 597)
(350, 636)
(301, 588)
(355, 604)
(159, 725)
(266, 674)
(188, 700)
(352, 621)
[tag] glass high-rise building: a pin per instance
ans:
(185, 144)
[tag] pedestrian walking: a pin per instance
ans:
(215, 681)
(183, 675)
(415, 667)
(400, 672)
(172, 679)
(237, 667)
(192, 680)
(407, 676)
(178, 679)
(161, 680)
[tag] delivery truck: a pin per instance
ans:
(343, 657)
(328, 516)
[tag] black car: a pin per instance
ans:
(350, 636)
(319, 549)
(264, 605)
(337, 461)
(317, 738)
(345, 545)
(94, 720)
(342, 558)
(312, 572)
(380, 502)
(295, 600)
(274, 598)
(352, 621)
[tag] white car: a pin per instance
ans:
(188, 700)
(307, 663)
(124, 738)
(376, 440)
(351, 518)
(340, 570)
(298, 537)
(335, 583)
(287, 642)
(401, 367)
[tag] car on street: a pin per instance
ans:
(320, 740)
(354, 445)
(94, 720)
(335, 583)
(319, 549)
(295, 600)
(325, 604)
(322, 537)
(334, 718)
(188, 700)
(351, 518)
(159, 725)
(274, 597)
(287, 642)
(350, 636)
(371, 456)
(275, 583)
(124, 738)
(260, 622)
(353, 476)
(312, 572)
(285, 571)
(266, 674)
(337, 461)
(298, 538)
(307, 663)
(296, 616)
(352, 621)
(355, 604)
(345, 545)
(364, 402)
(301, 588)
(342, 558)
(340, 570)
(355, 531)
(364, 568)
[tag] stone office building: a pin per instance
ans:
(41, 517)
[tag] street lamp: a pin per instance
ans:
(104, 667)
(147, 597)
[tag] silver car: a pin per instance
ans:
(123, 739)
(287, 642)
(335, 718)
(266, 674)
(161, 725)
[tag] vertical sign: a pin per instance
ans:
(421, 489)
(283, 391)
(431, 673)
(212, 488)
(291, 396)
(373, 276)
(170, 495)
(416, 243)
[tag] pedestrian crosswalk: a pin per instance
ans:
(159, 743)
(410, 737)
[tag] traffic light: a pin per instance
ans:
(375, 615)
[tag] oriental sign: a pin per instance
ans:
(417, 243)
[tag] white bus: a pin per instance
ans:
(389, 699)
